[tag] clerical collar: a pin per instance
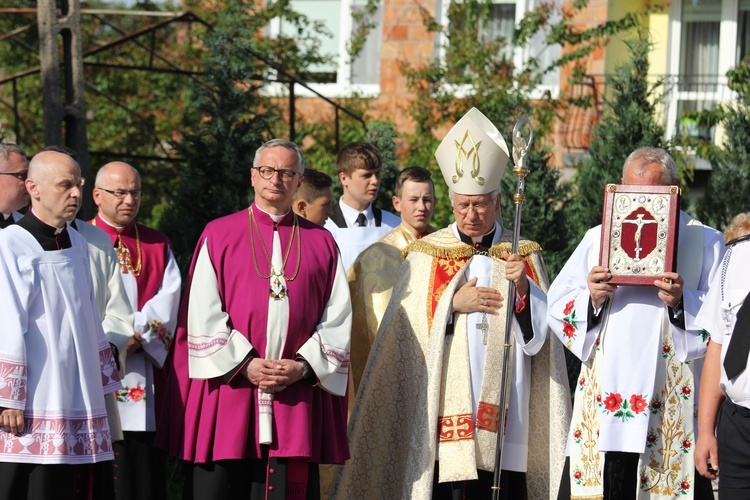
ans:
(482, 243)
(6, 220)
(738, 240)
(116, 228)
(49, 237)
(274, 218)
(350, 214)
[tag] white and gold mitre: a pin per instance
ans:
(473, 155)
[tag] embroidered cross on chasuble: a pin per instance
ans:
(484, 327)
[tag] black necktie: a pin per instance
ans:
(361, 220)
(6, 222)
(739, 345)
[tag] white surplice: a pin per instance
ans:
(159, 314)
(55, 361)
(353, 240)
(113, 305)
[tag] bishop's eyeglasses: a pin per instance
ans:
(285, 174)
(120, 194)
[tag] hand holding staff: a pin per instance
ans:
(520, 149)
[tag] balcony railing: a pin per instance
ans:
(686, 93)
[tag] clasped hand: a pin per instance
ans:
(273, 375)
(472, 298)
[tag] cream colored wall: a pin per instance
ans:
(658, 26)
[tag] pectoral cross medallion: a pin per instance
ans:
(484, 326)
(123, 257)
(278, 290)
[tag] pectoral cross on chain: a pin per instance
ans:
(484, 326)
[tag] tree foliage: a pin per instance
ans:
(131, 114)
(228, 118)
(728, 189)
(628, 122)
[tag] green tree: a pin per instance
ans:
(228, 129)
(728, 189)
(228, 118)
(131, 114)
(628, 122)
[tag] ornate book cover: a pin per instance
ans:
(639, 232)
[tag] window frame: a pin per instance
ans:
(520, 54)
(343, 87)
(728, 31)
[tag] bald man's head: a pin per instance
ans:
(116, 168)
(117, 193)
(55, 186)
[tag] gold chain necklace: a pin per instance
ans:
(123, 255)
(277, 291)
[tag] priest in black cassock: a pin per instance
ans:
(55, 362)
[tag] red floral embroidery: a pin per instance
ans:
(687, 443)
(637, 403)
(569, 307)
(577, 474)
(655, 405)
(686, 391)
(582, 381)
(577, 433)
(613, 401)
(685, 485)
(569, 330)
(598, 398)
(570, 323)
(136, 393)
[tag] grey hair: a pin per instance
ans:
(6, 148)
(282, 143)
(642, 157)
(493, 195)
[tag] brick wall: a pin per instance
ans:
(405, 39)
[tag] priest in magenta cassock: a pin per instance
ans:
(55, 361)
(425, 421)
(261, 354)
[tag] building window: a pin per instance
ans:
(500, 23)
(708, 37)
(743, 31)
(699, 57)
(340, 76)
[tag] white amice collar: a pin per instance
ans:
(275, 218)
